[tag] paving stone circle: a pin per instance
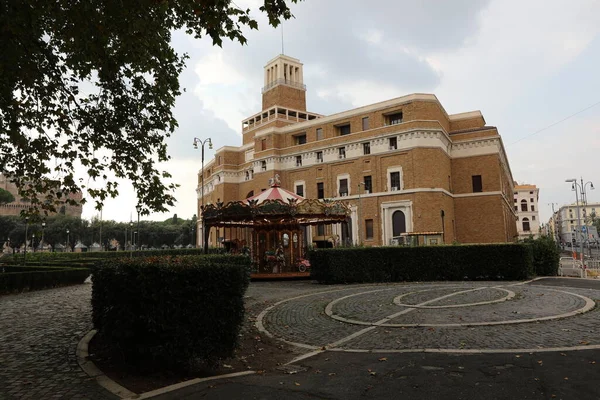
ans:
(486, 316)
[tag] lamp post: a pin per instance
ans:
(68, 241)
(26, 229)
(359, 213)
(43, 231)
(138, 228)
(202, 143)
(33, 242)
(131, 244)
(579, 187)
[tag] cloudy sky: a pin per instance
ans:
(525, 64)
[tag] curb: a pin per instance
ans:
(123, 393)
(90, 368)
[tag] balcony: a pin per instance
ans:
(282, 81)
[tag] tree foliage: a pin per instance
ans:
(92, 85)
(6, 197)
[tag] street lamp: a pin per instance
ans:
(359, 213)
(131, 244)
(138, 228)
(43, 229)
(26, 228)
(555, 229)
(202, 143)
(68, 231)
(33, 242)
(577, 187)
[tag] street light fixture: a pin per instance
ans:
(26, 229)
(33, 242)
(202, 143)
(68, 231)
(577, 187)
(43, 231)
(131, 244)
(359, 213)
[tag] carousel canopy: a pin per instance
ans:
(275, 206)
(274, 193)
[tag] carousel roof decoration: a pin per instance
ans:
(275, 206)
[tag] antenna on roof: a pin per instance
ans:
(282, 38)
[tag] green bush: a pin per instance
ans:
(430, 263)
(546, 256)
(170, 310)
(18, 279)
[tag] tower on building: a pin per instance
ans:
(284, 84)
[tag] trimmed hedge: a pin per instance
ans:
(546, 256)
(430, 263)
(19, 279)
(44, 257)
(170, 310)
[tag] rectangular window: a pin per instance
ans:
(320, 191)
(395, 180)
(341, 153)
(298, 161)
(319, 133)
(516, 208)
(300, 139)
(533, 217)
(368, 184)
(366, 148)
(365, 123)
(369, 228)
(532, 208)
(300, 190)
(263, 165)
(477, 185)
(344, 129)
(515, 200)
(531, 200)
(319, 156)
(343, 187)
(530, 192)
(393, 142)
(394, 119)
(320, 230)
(263, 144)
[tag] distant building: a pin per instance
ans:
(567, 224)
(526, 199)
(19, 204)
(405, 166)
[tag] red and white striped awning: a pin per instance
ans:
(275, 193)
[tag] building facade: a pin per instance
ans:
(403, 165)
(19, 205)
(526, 199)
(567, 223)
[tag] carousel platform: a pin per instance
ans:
(279, 276)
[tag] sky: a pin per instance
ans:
(531, 67)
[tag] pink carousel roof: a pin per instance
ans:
(275, 193)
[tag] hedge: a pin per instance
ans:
(19, 279)
(546, 256)
(43, 257)
(172, 311)
(430, 263)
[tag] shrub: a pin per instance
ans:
(18, 279)
(430, 263)
(546, 256)
(170, 310)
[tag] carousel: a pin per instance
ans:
(273, 226)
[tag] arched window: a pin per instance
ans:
(526, 224)
(250, 194)
(523, 205)
(398, 223)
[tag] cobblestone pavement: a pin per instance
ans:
(39, 332)
(305, 320)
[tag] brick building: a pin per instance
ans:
(526, 199)
(18, 205)
(404, 165)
